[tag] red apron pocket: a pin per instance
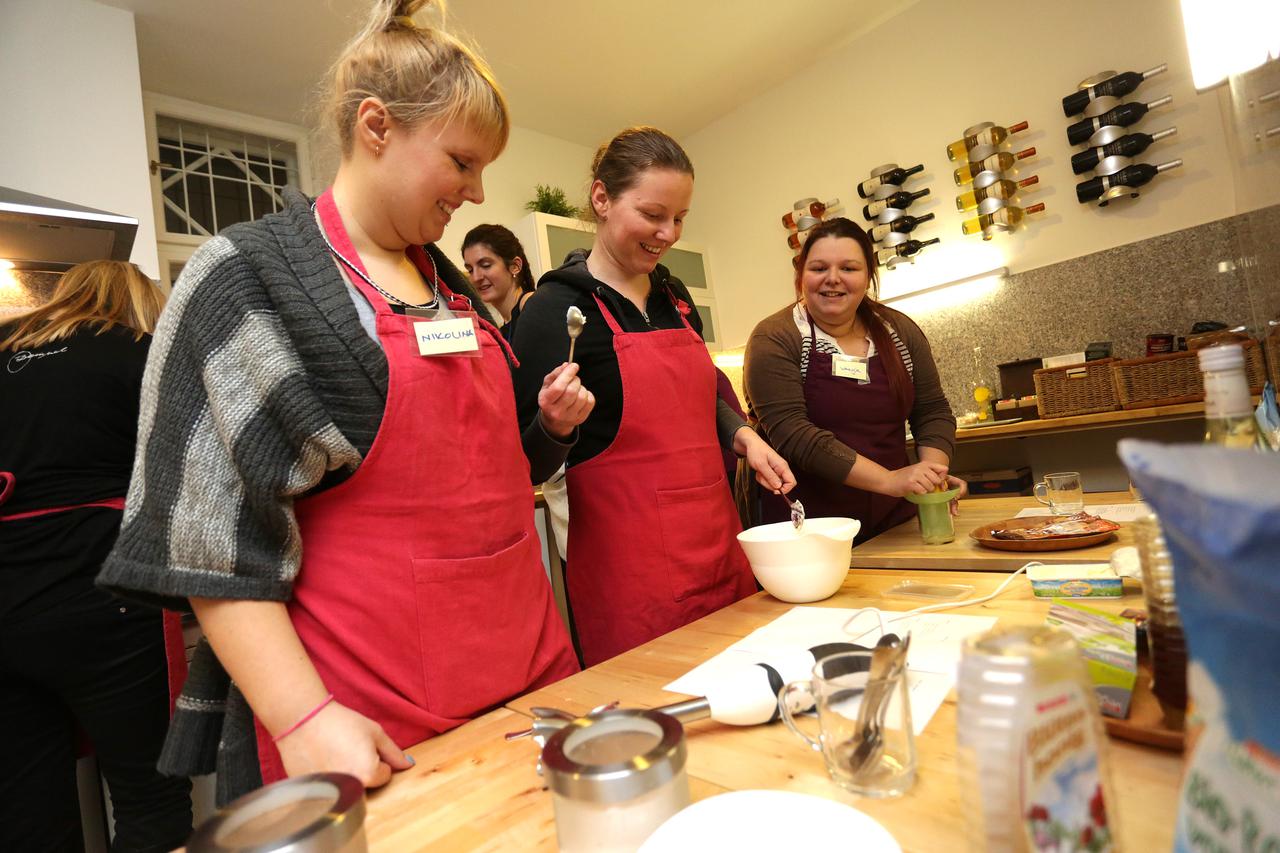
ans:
(696, 522)
(479, 622)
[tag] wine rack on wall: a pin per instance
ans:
(1108, 137)
(987, 178)
(804, 216)
(892, 229)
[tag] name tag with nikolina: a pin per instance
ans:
(446, 337)
(850, 367)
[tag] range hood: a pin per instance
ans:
(38, 233)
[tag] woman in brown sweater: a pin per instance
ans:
(831, 379)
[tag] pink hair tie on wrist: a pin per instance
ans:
(305, 719)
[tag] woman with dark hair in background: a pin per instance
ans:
(499, 271)
(833, 377)
(71, 655)
(652, 524)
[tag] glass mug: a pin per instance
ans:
(1063, 493)
(875, 759)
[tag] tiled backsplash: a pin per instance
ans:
(1228, 270)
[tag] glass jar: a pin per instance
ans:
(1164, 626)
(1026, 719)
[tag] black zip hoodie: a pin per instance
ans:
(542, 343)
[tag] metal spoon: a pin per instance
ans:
(886, 669)
(574, 320)
(797, 511)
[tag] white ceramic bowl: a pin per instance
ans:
(801, 565)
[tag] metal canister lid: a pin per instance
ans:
(318, 813)
(614, 755)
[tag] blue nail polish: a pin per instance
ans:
(410, 759)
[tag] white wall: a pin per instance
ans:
(531, 158)
(71, 103)
(905, 91)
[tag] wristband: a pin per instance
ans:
(305, 719)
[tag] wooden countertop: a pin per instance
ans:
(471, 789)
(1074, 423)
(901, 548)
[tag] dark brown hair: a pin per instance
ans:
(499, 240)
(619, 163)
(874, 315)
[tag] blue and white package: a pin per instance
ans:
(1220, 513)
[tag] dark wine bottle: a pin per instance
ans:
(1130, 176)
(901, 200)
(902, 225)
(903, 250)
(893, 176)
(1116, 87)
(1130, 145)
(1123, 116)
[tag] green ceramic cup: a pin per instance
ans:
(936, 527)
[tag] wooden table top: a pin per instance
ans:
(1074, 423)
(901, 547)
(471, 789)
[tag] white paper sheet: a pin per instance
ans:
(1111, 512)
(932, 660)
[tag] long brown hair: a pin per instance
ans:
(419, 72)
(505, 245)
(103, 293)
(873, 315)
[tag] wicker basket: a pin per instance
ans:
(1166, 380)
(1076, 389)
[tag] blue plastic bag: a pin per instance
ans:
(1220, 512)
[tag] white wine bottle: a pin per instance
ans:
(1003, 188)
(959, 150)
(1009, 216)
(996, 162)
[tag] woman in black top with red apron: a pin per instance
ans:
(72, 656)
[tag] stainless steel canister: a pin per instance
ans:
(615, 777)
(319, 813)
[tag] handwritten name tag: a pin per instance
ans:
(850, 367)
(442, 337)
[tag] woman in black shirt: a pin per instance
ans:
(71, 655)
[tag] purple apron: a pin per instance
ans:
(867, 418)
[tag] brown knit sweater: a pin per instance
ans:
(774, 388)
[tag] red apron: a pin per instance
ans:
(421, 599)
(867, 418)
(175, 651)
(652, 525)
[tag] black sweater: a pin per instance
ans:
(542, 342)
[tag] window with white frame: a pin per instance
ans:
(212, 168)
(212, 177)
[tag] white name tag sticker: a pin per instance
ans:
(442, 337)
(850, 367)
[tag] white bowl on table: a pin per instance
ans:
(802, 565)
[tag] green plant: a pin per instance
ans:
(547, 199)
